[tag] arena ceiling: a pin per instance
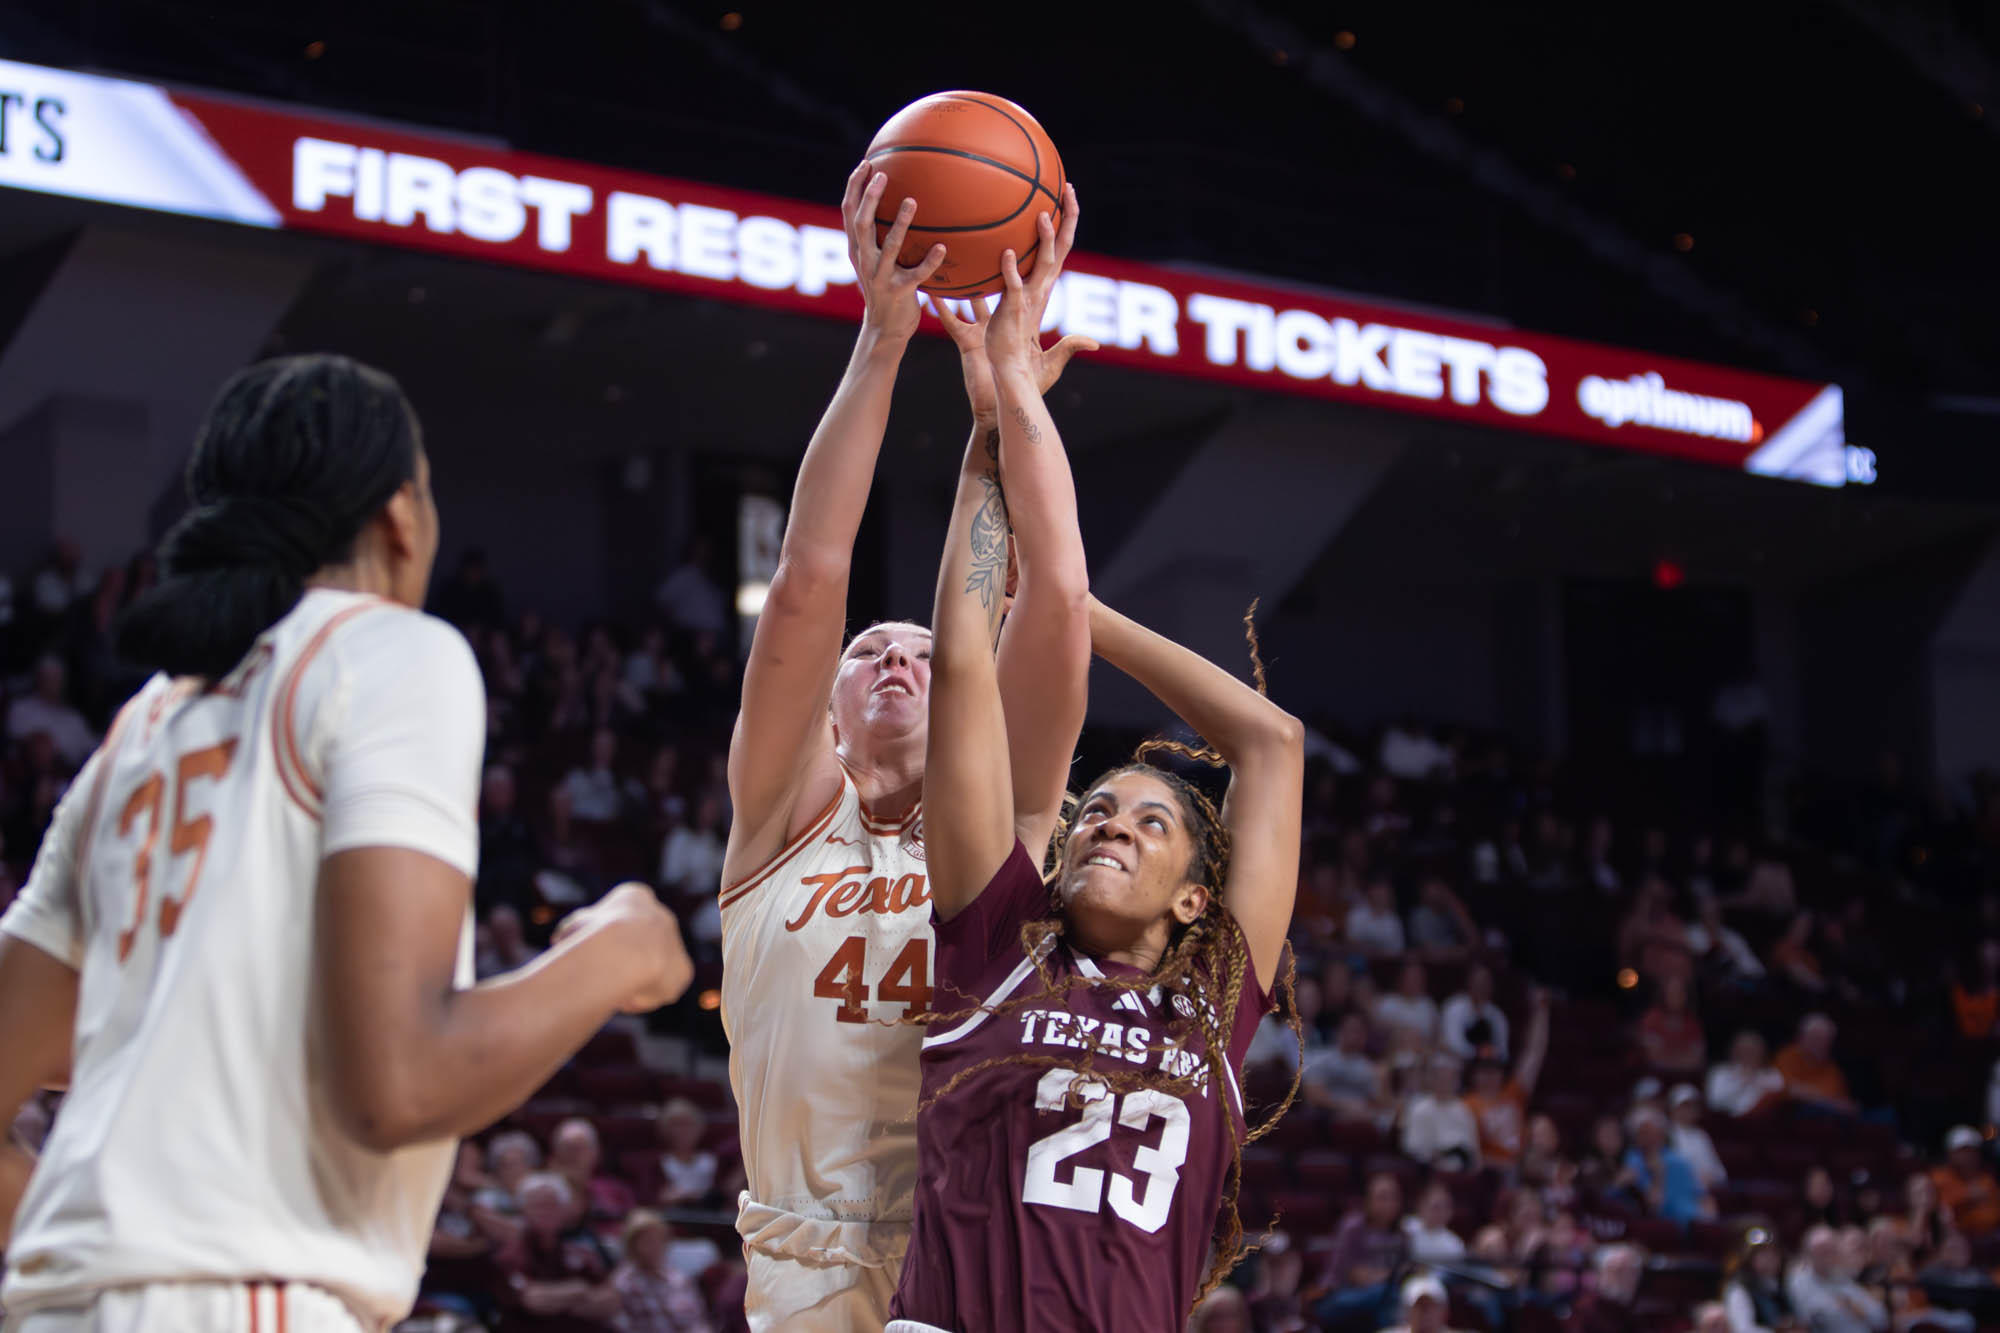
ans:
(1784, 186)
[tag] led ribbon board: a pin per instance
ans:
(261, 165)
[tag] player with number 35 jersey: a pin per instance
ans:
(246, 941)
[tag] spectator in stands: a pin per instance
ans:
(1826, 1296)
(569, 874)
(1343, 1081)
(691, 599)
(458, 1269)
(470, 598)
(1753, 1286)
(1274, 1044)
(48, 711)
(1670, 1034)
(558, 1274)
(1746, 1081)
(1438, 1127)
(1719, 951)
(1976, 1003)
(649, 671)
(1373, 928)
(1224, 1310)
(1563, 1257)
(596, 795)
(576, 1153)
(1367, 1251)
(511, 1158)
(691, 872)
(653, 1297)
(1408, 751)
(1597, 869)
(1426, 1308)
(508, 856)
(1821, 1203)
(1651, 939)
(1440, 927)
(1890, 1276)
(689, 1171)
(1544, 1166)
(1499, 1103)
(1711, 1317)
(1966, 1189)
(1410, 1007)
(1690, 1140)
(1664, 1179)
(1952, 1270)
(1926, 1221)
(1471, 1024)
(1609, 1306)
(1604, 1169)
(1276, 1303)
(1432, 1241)
(1792, 956)
(1812, 1079)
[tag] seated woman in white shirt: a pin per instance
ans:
(1439, 1129)
(1409, 1007)
(689, 1172)
(1373, 927)
(1746, 1080)
(1432, 1241)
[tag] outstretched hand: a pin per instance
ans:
(1022, 305)
(888, 289)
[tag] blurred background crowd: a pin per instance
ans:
(1574, 1056)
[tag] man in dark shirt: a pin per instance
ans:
(1367, 1250)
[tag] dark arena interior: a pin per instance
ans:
(1592, 398)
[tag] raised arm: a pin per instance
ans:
(1535, 1049)
(1264, 747)
(968, 791)
(782, 741)
(1044, 654)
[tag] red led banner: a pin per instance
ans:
(262, 165)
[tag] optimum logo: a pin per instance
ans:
(1645, 400)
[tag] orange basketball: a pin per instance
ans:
(981, 171)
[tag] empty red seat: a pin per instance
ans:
(617, 1085)
(1323, 1170)
(618, 1133)
(611, 1046)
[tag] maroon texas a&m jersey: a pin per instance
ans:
(1046, 1199)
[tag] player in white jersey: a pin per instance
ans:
(245, 944)
(825, 907)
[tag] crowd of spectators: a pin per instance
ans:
(1574, 1054)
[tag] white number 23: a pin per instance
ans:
(1084, 1191)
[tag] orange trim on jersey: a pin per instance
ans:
(284, 745)
(280, 1293)
(252, 1293)
(742, 888)
(873, 822)
(107, 752)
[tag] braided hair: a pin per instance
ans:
(296, 455)
(1200, 976)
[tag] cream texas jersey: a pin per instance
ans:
(178, 878)
(824, 950)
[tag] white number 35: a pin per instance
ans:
(1146, 1208)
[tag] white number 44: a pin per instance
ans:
(1146, 1207)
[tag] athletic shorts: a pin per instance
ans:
(198, 1307)
(799, 1296)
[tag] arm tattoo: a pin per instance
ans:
(988, 536)
(993, 445)
(1028, 427)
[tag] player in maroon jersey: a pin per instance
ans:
(1082, 1109)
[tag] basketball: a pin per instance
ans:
(981, 170)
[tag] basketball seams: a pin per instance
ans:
(1030, 133)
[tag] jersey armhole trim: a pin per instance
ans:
(742, 888)
(94, 803)
(292, 775)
